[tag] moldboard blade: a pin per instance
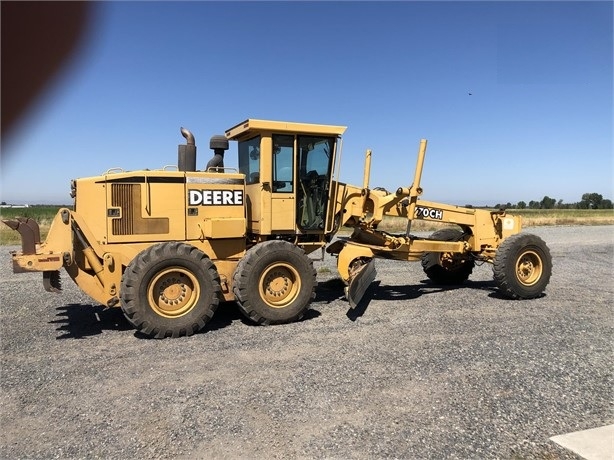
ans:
(360, 283)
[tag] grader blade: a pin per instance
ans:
(360, 283)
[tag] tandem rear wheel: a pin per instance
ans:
(170, 290)
(274, 283)
(447, 268)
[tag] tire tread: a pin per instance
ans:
(241, 279)
(504, 266)
(130, 287)
(438, 274)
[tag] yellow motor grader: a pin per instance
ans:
(166, 246)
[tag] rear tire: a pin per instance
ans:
(522, 266)
(170, 290)
(274, 283)
(447, 268)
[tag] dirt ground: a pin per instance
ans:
(416, 372)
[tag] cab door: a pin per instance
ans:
(315, 162)
(282, 183)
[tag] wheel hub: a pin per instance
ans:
(529, 268)
(173, 292)
(279, 285)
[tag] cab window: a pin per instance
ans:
(283, 163)
(249, 160)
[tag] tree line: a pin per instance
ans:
(588, 201)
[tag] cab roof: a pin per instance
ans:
(252, 126)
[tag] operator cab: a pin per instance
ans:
(288, 170)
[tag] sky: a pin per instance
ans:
(515, 98)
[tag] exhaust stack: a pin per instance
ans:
(186, 153)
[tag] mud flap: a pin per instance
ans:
(360, 283)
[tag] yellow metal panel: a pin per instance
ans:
(247, 127)
(427, 210)
(151, 206)
(282, 214)
(91, 204)
(214, 197)
(266, 170)
(224, 228)
(265, 216)
(254, 207)
(223, 249)
(510, 225)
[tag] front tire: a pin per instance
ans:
(522, 266)
(447, 268)
(274, 283)
(170, 290)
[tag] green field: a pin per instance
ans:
(530, 218)
(43, 214)
(39, 212)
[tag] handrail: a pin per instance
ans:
(114, 171)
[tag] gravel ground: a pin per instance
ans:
(418, 372)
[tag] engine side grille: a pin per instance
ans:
(122, 197)
(128, 198)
